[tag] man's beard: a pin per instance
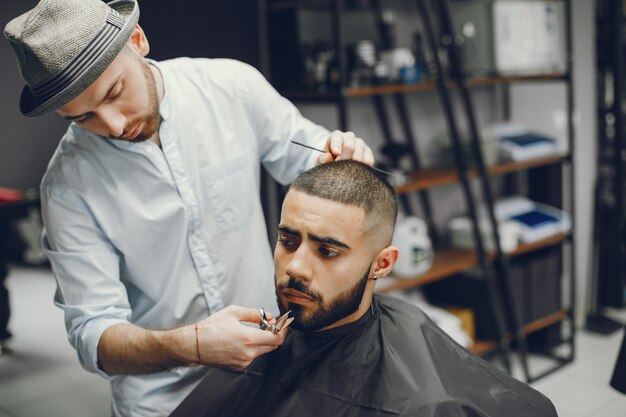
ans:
(329, 312)
(152, 119)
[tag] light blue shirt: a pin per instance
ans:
(164, 237)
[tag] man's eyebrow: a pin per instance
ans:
(285, 229)
(117, 80)
(315, 238)
(328, 240)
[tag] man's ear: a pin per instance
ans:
(138, 41)
(384, 262)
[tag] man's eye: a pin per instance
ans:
(115, 95)
(287, 243)
(81, 120)
(328, 253)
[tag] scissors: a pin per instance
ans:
(282, 323)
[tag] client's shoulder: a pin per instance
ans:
(399, 309)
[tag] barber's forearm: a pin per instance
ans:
(129, 349)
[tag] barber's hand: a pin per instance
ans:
(225, 342)
(345, 145)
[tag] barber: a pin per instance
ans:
(153, 221)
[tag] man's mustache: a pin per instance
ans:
(298, 285)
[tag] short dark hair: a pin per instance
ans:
(356, 184)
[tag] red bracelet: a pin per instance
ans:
(198, 345)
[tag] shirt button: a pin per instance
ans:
(148, 148)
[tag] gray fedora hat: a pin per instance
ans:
(63, 46)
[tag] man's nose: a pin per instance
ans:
(299, 265)
(113, 121)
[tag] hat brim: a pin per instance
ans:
(30, 106)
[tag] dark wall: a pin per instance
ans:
(213, 29)
(198, 28)
(25, 144)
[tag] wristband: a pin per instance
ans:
(198, 344)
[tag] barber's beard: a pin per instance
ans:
(328, 312)
(152, 118)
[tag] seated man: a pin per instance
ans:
(354, 353)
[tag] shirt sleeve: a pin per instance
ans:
(277, 122)
(86, 269)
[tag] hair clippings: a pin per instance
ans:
(282, 323)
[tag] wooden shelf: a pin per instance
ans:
(540, 244)
(545, 321)
(447, 262)
(388, 89)
(431, 85)
(522, 165)
(434, 177)
(333, 96)
(482, 347)
(428, 178)
(508, 79)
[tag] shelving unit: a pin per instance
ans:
(421, 86)
(449, 262)
(432, 177)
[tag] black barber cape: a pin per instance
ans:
(394, 361)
